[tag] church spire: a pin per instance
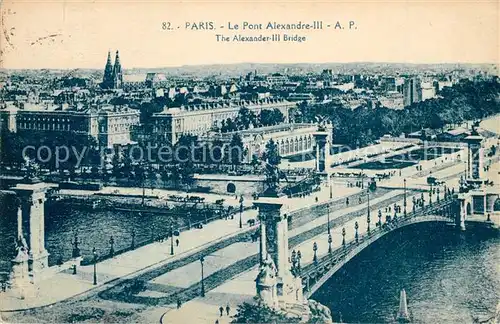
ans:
(109, 58)
(107, 80)
(117, 72)
(117, 59)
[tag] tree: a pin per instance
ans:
(271, 154)
(271, 117)
(236, 150)
(245, 118)
(216, 151)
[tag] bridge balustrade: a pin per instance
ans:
(311, 273)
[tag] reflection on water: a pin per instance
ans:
(449, 277)
(94, 228)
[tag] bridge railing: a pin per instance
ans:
(310, 270)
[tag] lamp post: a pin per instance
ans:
(299, 256)
(111, 246)
(94, 253)
(330, 243)
(356, 226)
(241, 210)
(343, 236)
(76, 249)
(430, 196)
(132, 245)
(171, 238)
(315, 249)
(202, 259)
(368, 213)
(404, 201)
(328, 219)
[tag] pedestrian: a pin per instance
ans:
(227, 309)
(179, 303)
(221, 310)
(176, 242)
(216, 321)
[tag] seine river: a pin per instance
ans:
(449, 277)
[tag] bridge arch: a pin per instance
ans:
(231, 188)
(314, 276)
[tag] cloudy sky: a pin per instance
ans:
(78, 34)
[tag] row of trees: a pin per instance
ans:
(467, 100)
(247, 118)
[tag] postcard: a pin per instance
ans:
(249, 161)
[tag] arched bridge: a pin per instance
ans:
(316, 273)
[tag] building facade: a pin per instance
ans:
(172, 123)
(291, 139)
(109, 125)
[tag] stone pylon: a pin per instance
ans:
(274, 251)
(31, 224)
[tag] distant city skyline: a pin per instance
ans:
(69, 35)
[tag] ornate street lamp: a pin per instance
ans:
(356, 226)
(76, 249)
(330, 243)
(111, 246)
(379, 217)
(404, 201)
(328, 218)
(171, 238)
(315, 248)
(343, 236)
(94, 253)
(368, 212)
(241, 210)
(202, 259)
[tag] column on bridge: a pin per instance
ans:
(475, 173)
(31, 225)
(322, 150)
(275, 255)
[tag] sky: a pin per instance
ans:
(78, 34)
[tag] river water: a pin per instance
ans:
(449, 277)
